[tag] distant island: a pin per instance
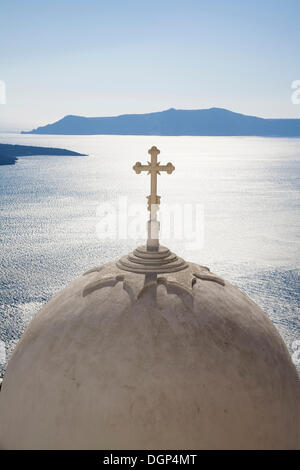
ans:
(172, 122)
(10, 153)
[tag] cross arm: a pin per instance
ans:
(169, 168)
(138, 167)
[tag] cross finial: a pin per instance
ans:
(154, 151)
(153, 168)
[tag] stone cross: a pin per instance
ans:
(153, 168)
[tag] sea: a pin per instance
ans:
(62, 215)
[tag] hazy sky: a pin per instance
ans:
(108, 57)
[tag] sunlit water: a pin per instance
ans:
(249, 188)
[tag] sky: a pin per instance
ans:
(110, 57)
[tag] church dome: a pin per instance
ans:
(125, 360)
(150, 352)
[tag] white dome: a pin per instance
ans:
(120, 360)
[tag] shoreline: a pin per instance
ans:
(9, 153)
